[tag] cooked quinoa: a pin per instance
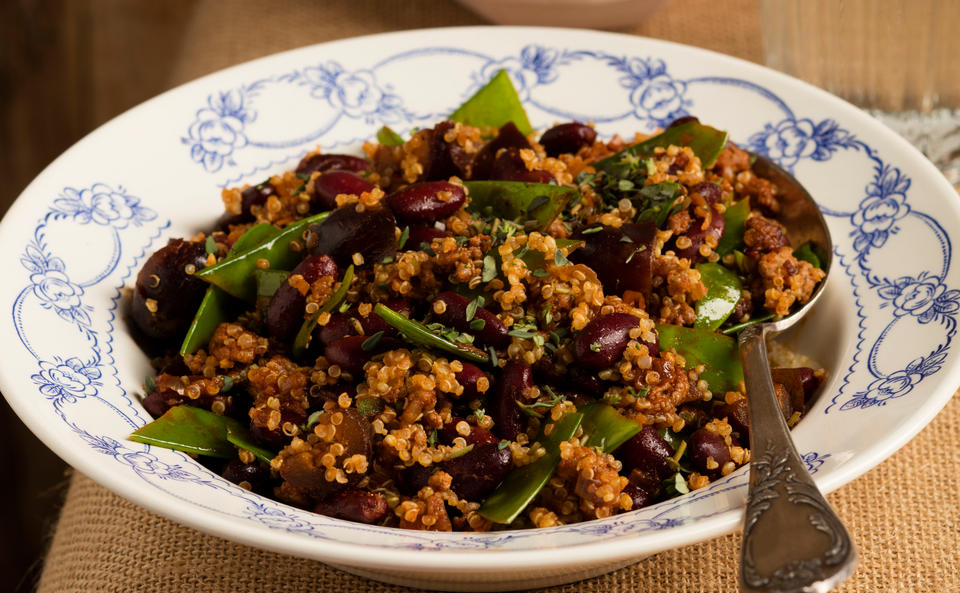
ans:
(362, 422)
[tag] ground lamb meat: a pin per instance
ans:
(731, 161)
(594, 477)
(763, 235)
(763, 193)
(786, 280)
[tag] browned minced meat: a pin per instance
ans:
(279, 389)
(429, 514)
(763, 192)
(763, 235)
(731, 161)
(676, 287)
(594, 477)
(786, 280)
(669, 387)
(679, 222)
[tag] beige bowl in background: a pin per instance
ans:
(597, 14)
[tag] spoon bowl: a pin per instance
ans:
(792, 539)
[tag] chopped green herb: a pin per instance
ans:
(473, 305)
(149, 384)
(371, 342)
(344, 307)
(432, 439)
(388, 137)
(210, 245)
(403, 238)
(479, 413)
(559, 259)
(540, 273)
(502, 445)
(635, 251)
(493, 356)
(313, 419)
(489, 268)
(387, 260)
(532, 409)
(228, 383)
(612, 397)
(370, 406)
(591, 230)
(536, 203)
(596, 346)
(676, 485)
(300, 176)
(477, 324)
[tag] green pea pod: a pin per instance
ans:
(215, 307)
(735, 219)
(419, 333)
(302, 340)
(658, 201)
(717, 352)
(235, 274)
(269, 281)
(519, 201)
(523, 484)
(605, 427)
(706, 143)
(494, 105)
(723, 293)
(197, 431)
(388, 137)
(806, 253)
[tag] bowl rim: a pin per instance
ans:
(444, 561)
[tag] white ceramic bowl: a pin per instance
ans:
(79, 232)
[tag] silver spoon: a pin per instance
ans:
(792, 539)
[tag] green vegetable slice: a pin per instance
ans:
(269, 281)
(717, 352)
(214, 309)
(388, 137)
(806, 253)
(706, 143)
(419, 333)
(235, 274)
(302, 340)
(737, 328)
(735, 219)
(523, 484)
(494, 105)
(723, 293)
(197, 431)
(605, 427)
(519, 201)
(658, 202)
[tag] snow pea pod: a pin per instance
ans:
(235, 274)
(723, 293)
(269, 281)
(519, 201)
(197, 431)
(717, 352)
(302, 340)
(495, 104)
(706, 143)
(419, 333)
(806, 253)
(604, 427)
(735, 219)
(214, 309)
(524, 483)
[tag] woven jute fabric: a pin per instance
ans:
(904, 516)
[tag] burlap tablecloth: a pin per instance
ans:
(903, 514)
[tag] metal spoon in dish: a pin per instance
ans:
(792, 539)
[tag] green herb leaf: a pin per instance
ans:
(676, 485)
(806, 253)
(489, 268)
(432, 439)
(228, 383)
(495, 104)
(591, 230)
(371, 342)
(657, 202)
(403, 238)
(519, 201)
(388, 137)
(269, 281)
(477, 324)
(370, 406)
(472, 307)
(149, 384)
(210, 245)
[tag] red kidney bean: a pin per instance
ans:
(173, 294)
(567, 138)
(508, 137)
(622, 258)
(446, 158)
(603, 340)
(332, 162)
(509, 166)
(698, 235)
(411, 479)
(515, 379)
(285, 313)
(468, 377)
(709, 191)
(339, 326)
(477, 473)
(493, 333)
(643, 489)
(254, 474)
(478, 434)
(331, 184)
(371, 233)
(421, 202)
(703, 444)
(584, 381)
(348, 354)
(255, 195)
(800, 384)
(647, 451)
(682, 120)
(422, 233)
(275, 439)
(355, 505)
(737, 415)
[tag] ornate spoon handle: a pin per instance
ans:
(792, 539)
